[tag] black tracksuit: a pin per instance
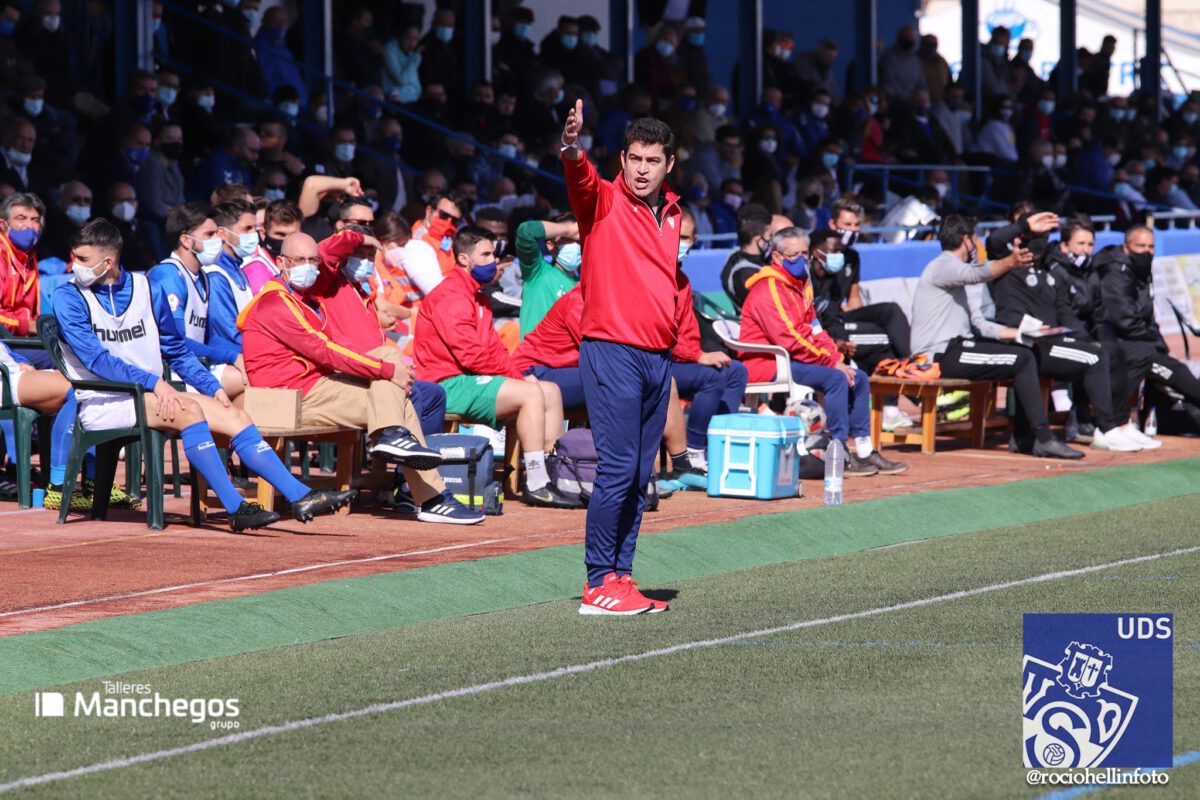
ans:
(879, 330)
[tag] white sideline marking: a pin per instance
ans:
(537, 677)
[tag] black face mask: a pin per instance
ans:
(1142, 262)
(172, 150)
(849, 238)
(1037, 245)
(813, 200)
(272, 246)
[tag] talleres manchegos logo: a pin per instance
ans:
(1097, 690)
(139, 700)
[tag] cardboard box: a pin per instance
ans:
(273, 408)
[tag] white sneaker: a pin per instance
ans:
(1147, 442)
(1117, 440)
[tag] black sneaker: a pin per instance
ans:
(446, 510)
(1085, 432)
(1055, 449)
(1022, 444)
(548, 497)
(403, 502)
(399, 446)
(885, 466)
(858, 467)
(251, 516)
(321, 501)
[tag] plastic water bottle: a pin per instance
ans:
(1151, 426)
(835, 467)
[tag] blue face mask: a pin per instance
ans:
(291, 109)
(830, 160)
(167, 95)
(569, 40)
(247, 244)
(796, 267)
(684, 249)
(274, 194)
(696, 38)
(997, 50)
(1046, 107)
(303, 276)
(251, 15)
(664, 48)
(358, 269)
(344, 152)
(484, 273)
(835, 263)
(590, 39)
(524, 31)
(508, 150)
(1180, 152)
(444, 33)
(447, 242)
(392, 143)
(570, 256)
(697, 193)
(558, 98)
(138, 155)
(7, 26)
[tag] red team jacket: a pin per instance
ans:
(555, 341)
(20, 293)
(284, 346)
(629, 260)
(348, 317)
(457, 336)
(779, 311)
(687, 345)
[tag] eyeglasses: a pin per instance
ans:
(447, 215)
(366, 223)
(302, 261)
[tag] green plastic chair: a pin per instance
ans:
(138, 440)
(23, 420)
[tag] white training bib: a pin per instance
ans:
(241, 296)
(131, 337)
(195, 310)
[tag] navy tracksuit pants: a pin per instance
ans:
(627, 391)
(712, 391)
(567, 379)
(429, 401)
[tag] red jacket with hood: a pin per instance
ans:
(779, 311)
(455, 334)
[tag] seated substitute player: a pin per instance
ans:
(543, 283)
(228, 283)
(779, 311)
(457, 346)
(115, 327)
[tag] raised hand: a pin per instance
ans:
(574, 124)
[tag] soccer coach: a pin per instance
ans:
(629, 231)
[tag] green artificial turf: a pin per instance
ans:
(848, 709)
(391, 600)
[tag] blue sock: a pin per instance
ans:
(89, 464)
(258, 456)
(10, 439)
(60, 439)
(202, 455)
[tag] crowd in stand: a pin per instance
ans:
(273, 234)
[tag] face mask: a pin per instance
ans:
(696, 38)
(1117, 114)
(570, 256)
(1048, 161)
(585, 141)
(687, 103)
(507, 150)
(820, 110)
(972, 252)
(358, 269)
(796, 267)
(1190, 119)
(785, 54)
(447, 243)
(1142, 262)
(942, 189)
(1024, 55)
(33, 106)
(1180, 152)
(343, 151)
(207, 101)
(769, 146)
(717, 109)
(273, 194)
(484, 273)
(1006, 114)
(812, 200)
(684, 249)
(1114, 159)
(964, 115)
(590, 39)
(830, 160)
(873, 105)
(25, 239)
(157, 24)
(303, 276)
(493, 38)
(273, 246)
(1080, 261)
(835, 263)
(664, 48)
(921, 112)
(1137, 181)
(86, 276)
(167, 95)
(849, 238)
(172, 150)
(138, 155)
(321, 115)
(1122, 189)
(79, 214)
(51, 23)
(251, 15)
(569, 41)
(392, 143)
(1149, 163)
(7, 26)
(290, 109)
(17, 157)
(124, 210)
(997, 50)
(767, 249)
(732, 200)
(209, 252)
(558, 97)
(445, 33)
(697, 193)
(524, 31)
(1060, 160)
(1046, 107)
(247, 244)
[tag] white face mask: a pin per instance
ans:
(1060, 160)
(209, 252)
(124, 210)
(942, 188)
(768, 146)
(86, 276)
(1048, 161)
(302, 276)
(820, 110)
(717, 109)
(247, 243)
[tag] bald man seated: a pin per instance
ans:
(286, 343)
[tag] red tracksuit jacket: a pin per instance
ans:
(779, 311)
(347, 316)
(284, 347)
(687, 346)
(555, 341)
(455, 335)
(629, 260)
(20, 294)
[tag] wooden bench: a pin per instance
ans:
(982, 407)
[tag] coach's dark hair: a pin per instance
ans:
(752, 221)
(468, 237)
(1077, 223)
(99, 233)
(228, 213)
(185, 219)
(954, 228)
(649, 130)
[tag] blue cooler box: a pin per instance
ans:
(753, 455)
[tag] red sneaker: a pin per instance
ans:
(615, 597)
(655, 605)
